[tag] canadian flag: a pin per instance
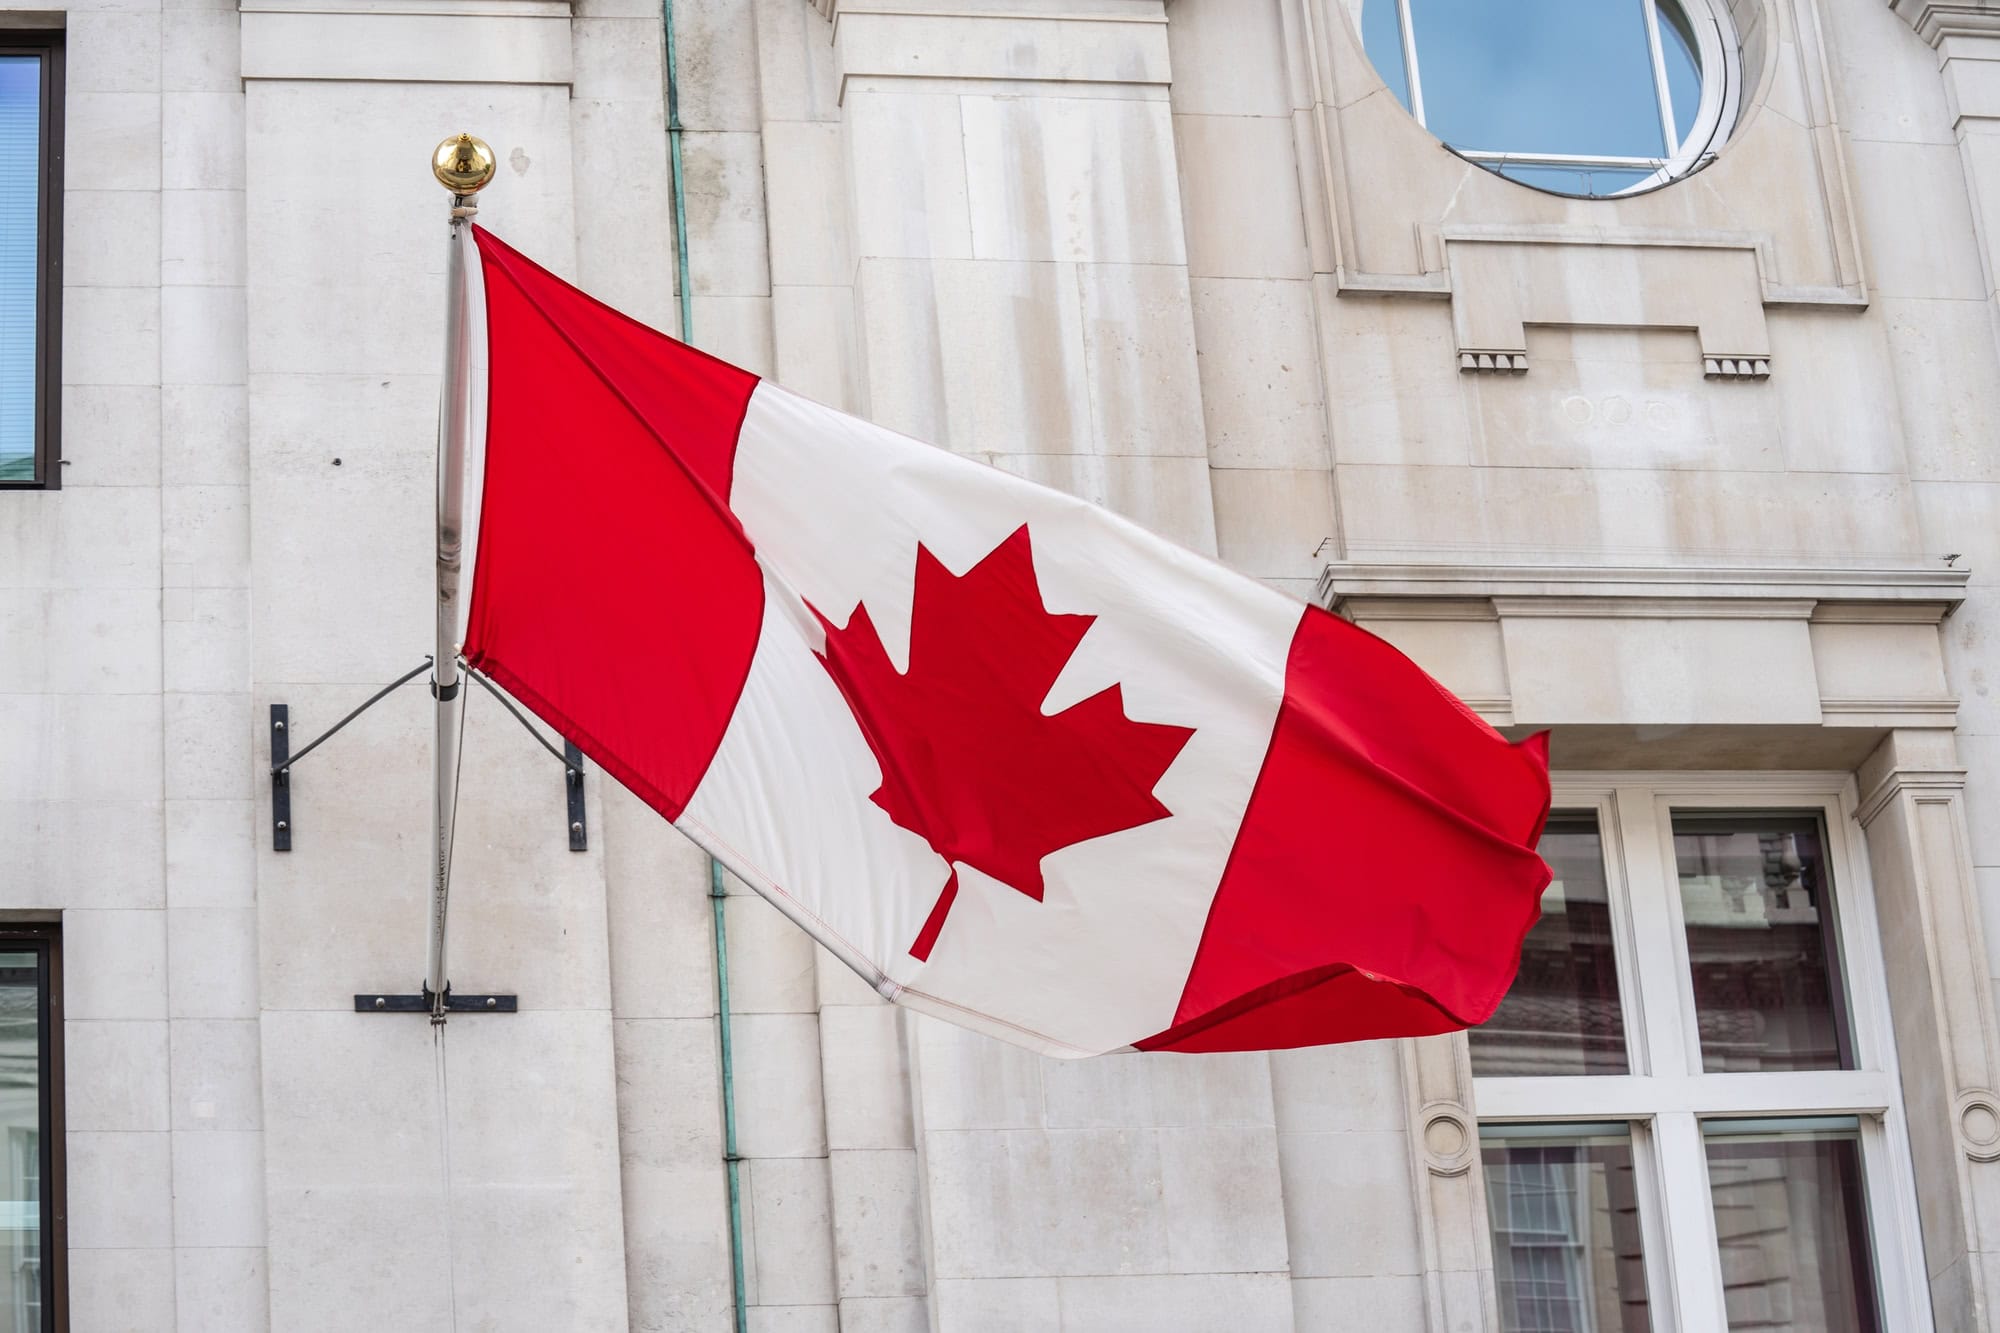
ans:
(1018, 762)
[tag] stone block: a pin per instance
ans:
(333, 1268)
(201, 141)
(114, 1075)
(111, 335)
(215, 962)
(813, 344)
(1224, 1206)
(58, 857)
(205, 535)
(211, 855)
(111, 435)
(669, 1093)
(1331, 1181)
(1229, 58)
(1392, 380)
(79, 641)
(111, 238)
(1660, 671)
(91, 537)
(1224, 162)
(219, 1189)
(1033, 397)
(798, 78)
(1274, 522)
(202, 243)
(788, 1231)
(620, 57)
(1140, 1091)
(1121, 45)
(778, 1086)
(1387, 1304)
(735, 328)
(1190, 1303)
(123, 131)
(217, 1075)
(865, 1071)
(1171, 496)
(967, 1081)
(1355, 1087)
(885, 1314)
(805, 188)
(1895, 182)
(120, 1191)
(662, 942)
(1886, 662)
(677, 1247)
(112, 51)
(877, 1223)
(205, 640)
(201, 51)
(221, 1289)
(900, 339)
(990, 1193)
(794, 1319)
(121, 1291)
(114, 964)
(1257, 349)
(79, 747)
(996, 1305)
(1947, 380)
(204, 433)
(203, 337)
(1838, 374)
(208, 747)
(724, 172)
(906, 168)
(1139, 356)
(715, 43)
(1075, 179)
(625, 251)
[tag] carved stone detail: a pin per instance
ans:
(1451, 1196)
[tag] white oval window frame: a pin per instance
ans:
(1716, 115)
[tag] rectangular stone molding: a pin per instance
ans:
(415, 41)
(1913, 811)
(1459, 1294)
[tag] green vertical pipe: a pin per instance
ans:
(732, 1162)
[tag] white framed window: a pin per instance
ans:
(1581, 97)
(1688, 1104)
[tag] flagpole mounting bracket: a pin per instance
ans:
(425, 1001)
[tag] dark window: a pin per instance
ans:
(31, 1176)
(31, 100)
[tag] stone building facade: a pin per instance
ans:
(1702, 479)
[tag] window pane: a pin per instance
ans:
(1562, 1015)
(1566, 1249)
(1539, 76)
(1794, 1237)
(1760, 937)
(21, 1163)
(1680, 53)
(1382, 37)
(20, 201)
(1594, 182)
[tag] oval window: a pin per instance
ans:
(1582, 97)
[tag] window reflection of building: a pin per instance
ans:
(20, 1116)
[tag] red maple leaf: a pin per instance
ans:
(969, 761)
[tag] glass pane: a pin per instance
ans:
(21, 1164)
(1539, 76)
(20, 200)
(1592, 182)
(1566, 1250)
(1790, 1220)
(1760, 937)
(1562, 1014)
(1681, 54)
(1382, 36)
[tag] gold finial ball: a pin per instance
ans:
(463, 164)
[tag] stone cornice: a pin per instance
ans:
(1935, 21)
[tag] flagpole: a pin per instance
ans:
(463, 165)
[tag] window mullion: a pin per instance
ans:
(1645, 848)
(1693, 1262)
(1661, 91)
(1416, 80)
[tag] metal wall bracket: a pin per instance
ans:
(281, 778)
(425, 1001)
(579, 834)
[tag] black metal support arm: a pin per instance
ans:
(282, 757)
(423, 1003)
(579, 832)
